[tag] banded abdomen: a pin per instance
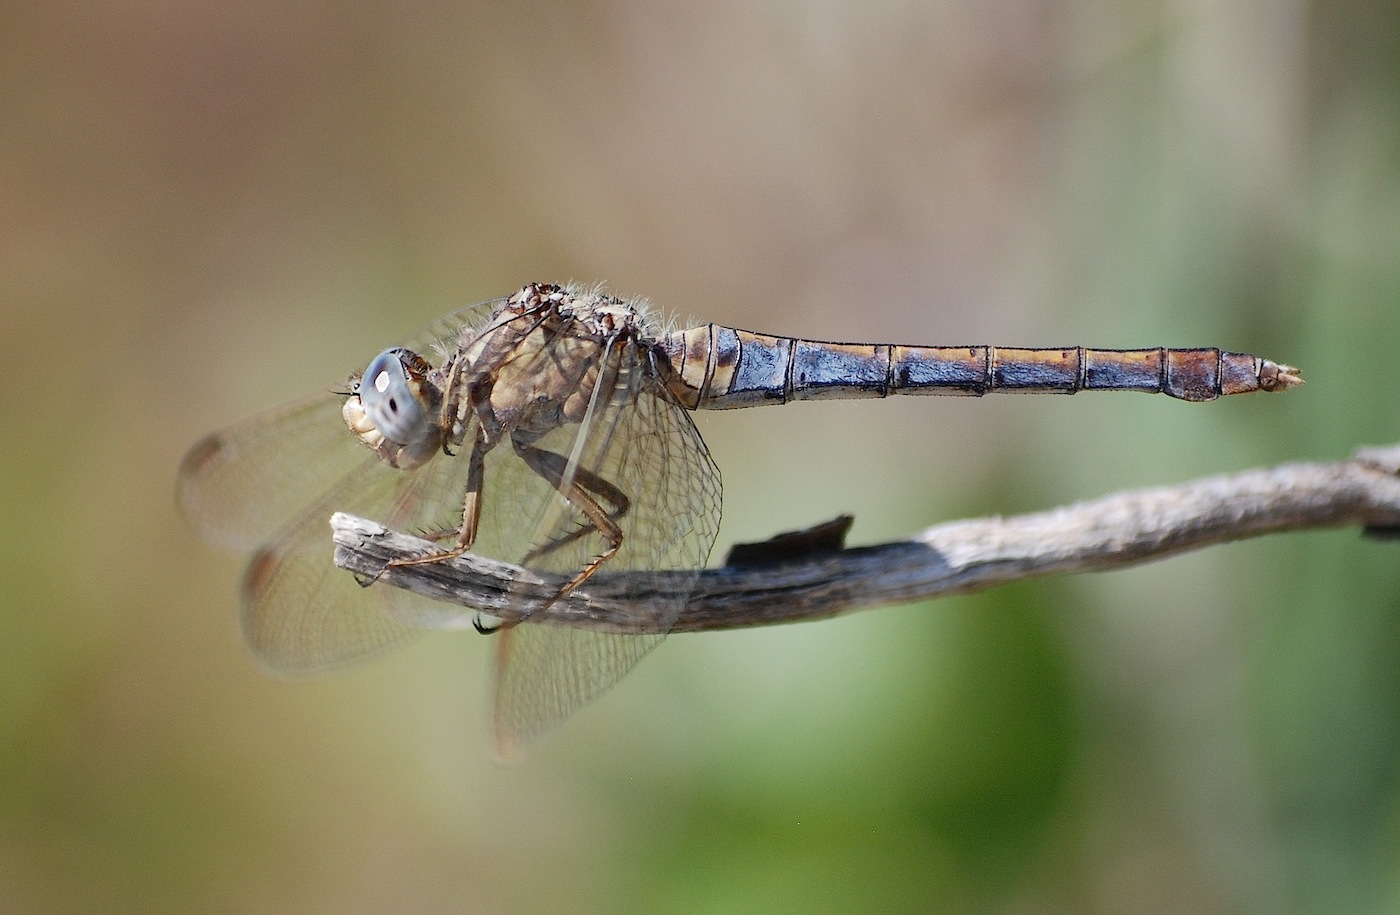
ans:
(716, 368)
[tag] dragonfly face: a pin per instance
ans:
(394, 409)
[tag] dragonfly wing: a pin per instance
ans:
(643, 443)
(249, 487)
(242, 485)
(238, 487)
(546, 673)
(439, 338)
(301, 613)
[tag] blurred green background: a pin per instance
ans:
(208, 208)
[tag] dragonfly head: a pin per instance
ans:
(393, 408)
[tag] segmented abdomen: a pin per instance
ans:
(716, 367)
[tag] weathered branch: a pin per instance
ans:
(1119, 530)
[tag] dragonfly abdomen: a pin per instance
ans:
(717, 367)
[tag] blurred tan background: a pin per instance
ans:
(208, 208)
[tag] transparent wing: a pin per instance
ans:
(274, 481)
(303, 614)
(437, 338)
(645, 445)
(242, 485)
(238, 487)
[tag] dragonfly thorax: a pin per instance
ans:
(393, 409)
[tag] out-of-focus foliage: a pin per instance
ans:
(208, 208)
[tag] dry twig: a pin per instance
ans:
(959, 557)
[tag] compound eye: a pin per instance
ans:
(393, 402)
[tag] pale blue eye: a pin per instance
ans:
(393, 402)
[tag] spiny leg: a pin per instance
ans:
(552, 467)
(471, 517)
(575, 489)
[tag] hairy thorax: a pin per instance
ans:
(536, 368)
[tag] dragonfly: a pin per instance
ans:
(551, 429)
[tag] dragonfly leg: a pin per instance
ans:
(439, 534)
(465, 535)
(576, 488)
